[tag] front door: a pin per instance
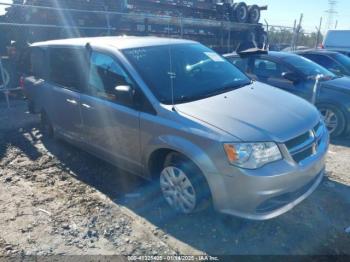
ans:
(271, 72)
(111, 124)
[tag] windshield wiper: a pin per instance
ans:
(222, 90)
(229, 88)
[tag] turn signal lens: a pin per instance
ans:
(231, 152)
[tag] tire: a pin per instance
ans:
(240, 11)
(31, 107)
(334, 119)
(253, 14)
(46, 125)
(183, 186)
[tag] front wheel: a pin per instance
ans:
(183, 186)
(333, 118)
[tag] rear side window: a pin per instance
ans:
(69, 67)
(322, 60)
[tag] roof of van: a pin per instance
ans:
(316, 51)
(338, 30)
(119, 42)
(337, 39)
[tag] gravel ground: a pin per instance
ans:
(56, 199)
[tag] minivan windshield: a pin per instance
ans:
(185, 72)
(307, 67)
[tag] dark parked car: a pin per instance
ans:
(335, 62)
(297, 75)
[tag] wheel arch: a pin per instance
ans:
(343, 110)
(337, 104)
(159, 148)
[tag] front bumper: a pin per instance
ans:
(270, 191)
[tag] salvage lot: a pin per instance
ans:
(56, 199)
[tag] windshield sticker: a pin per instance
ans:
(138, 54)
(214, 56)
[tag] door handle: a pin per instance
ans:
(87, 106)
(72, 101)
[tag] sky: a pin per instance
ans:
(284, 12)
(2, 8)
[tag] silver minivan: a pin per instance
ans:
(176, 111)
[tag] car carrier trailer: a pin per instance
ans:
(220, 24)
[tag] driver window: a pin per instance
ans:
(268, 69)
(105, 75)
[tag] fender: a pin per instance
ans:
(183, 146)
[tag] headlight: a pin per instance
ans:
(252, 155)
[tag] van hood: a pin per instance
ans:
(339, 84)
(255, 113)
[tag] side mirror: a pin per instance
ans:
(291, 76)
(125, 94)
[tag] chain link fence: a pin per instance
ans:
(285, 38)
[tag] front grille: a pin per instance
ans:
(303, 154)
(305, 145)
(298, 140)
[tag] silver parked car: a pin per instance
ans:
(176, 111)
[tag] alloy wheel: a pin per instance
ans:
(330, 119)
(177, 189)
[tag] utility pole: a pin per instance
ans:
(318, 33)
(297, 32)
(293, 36)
